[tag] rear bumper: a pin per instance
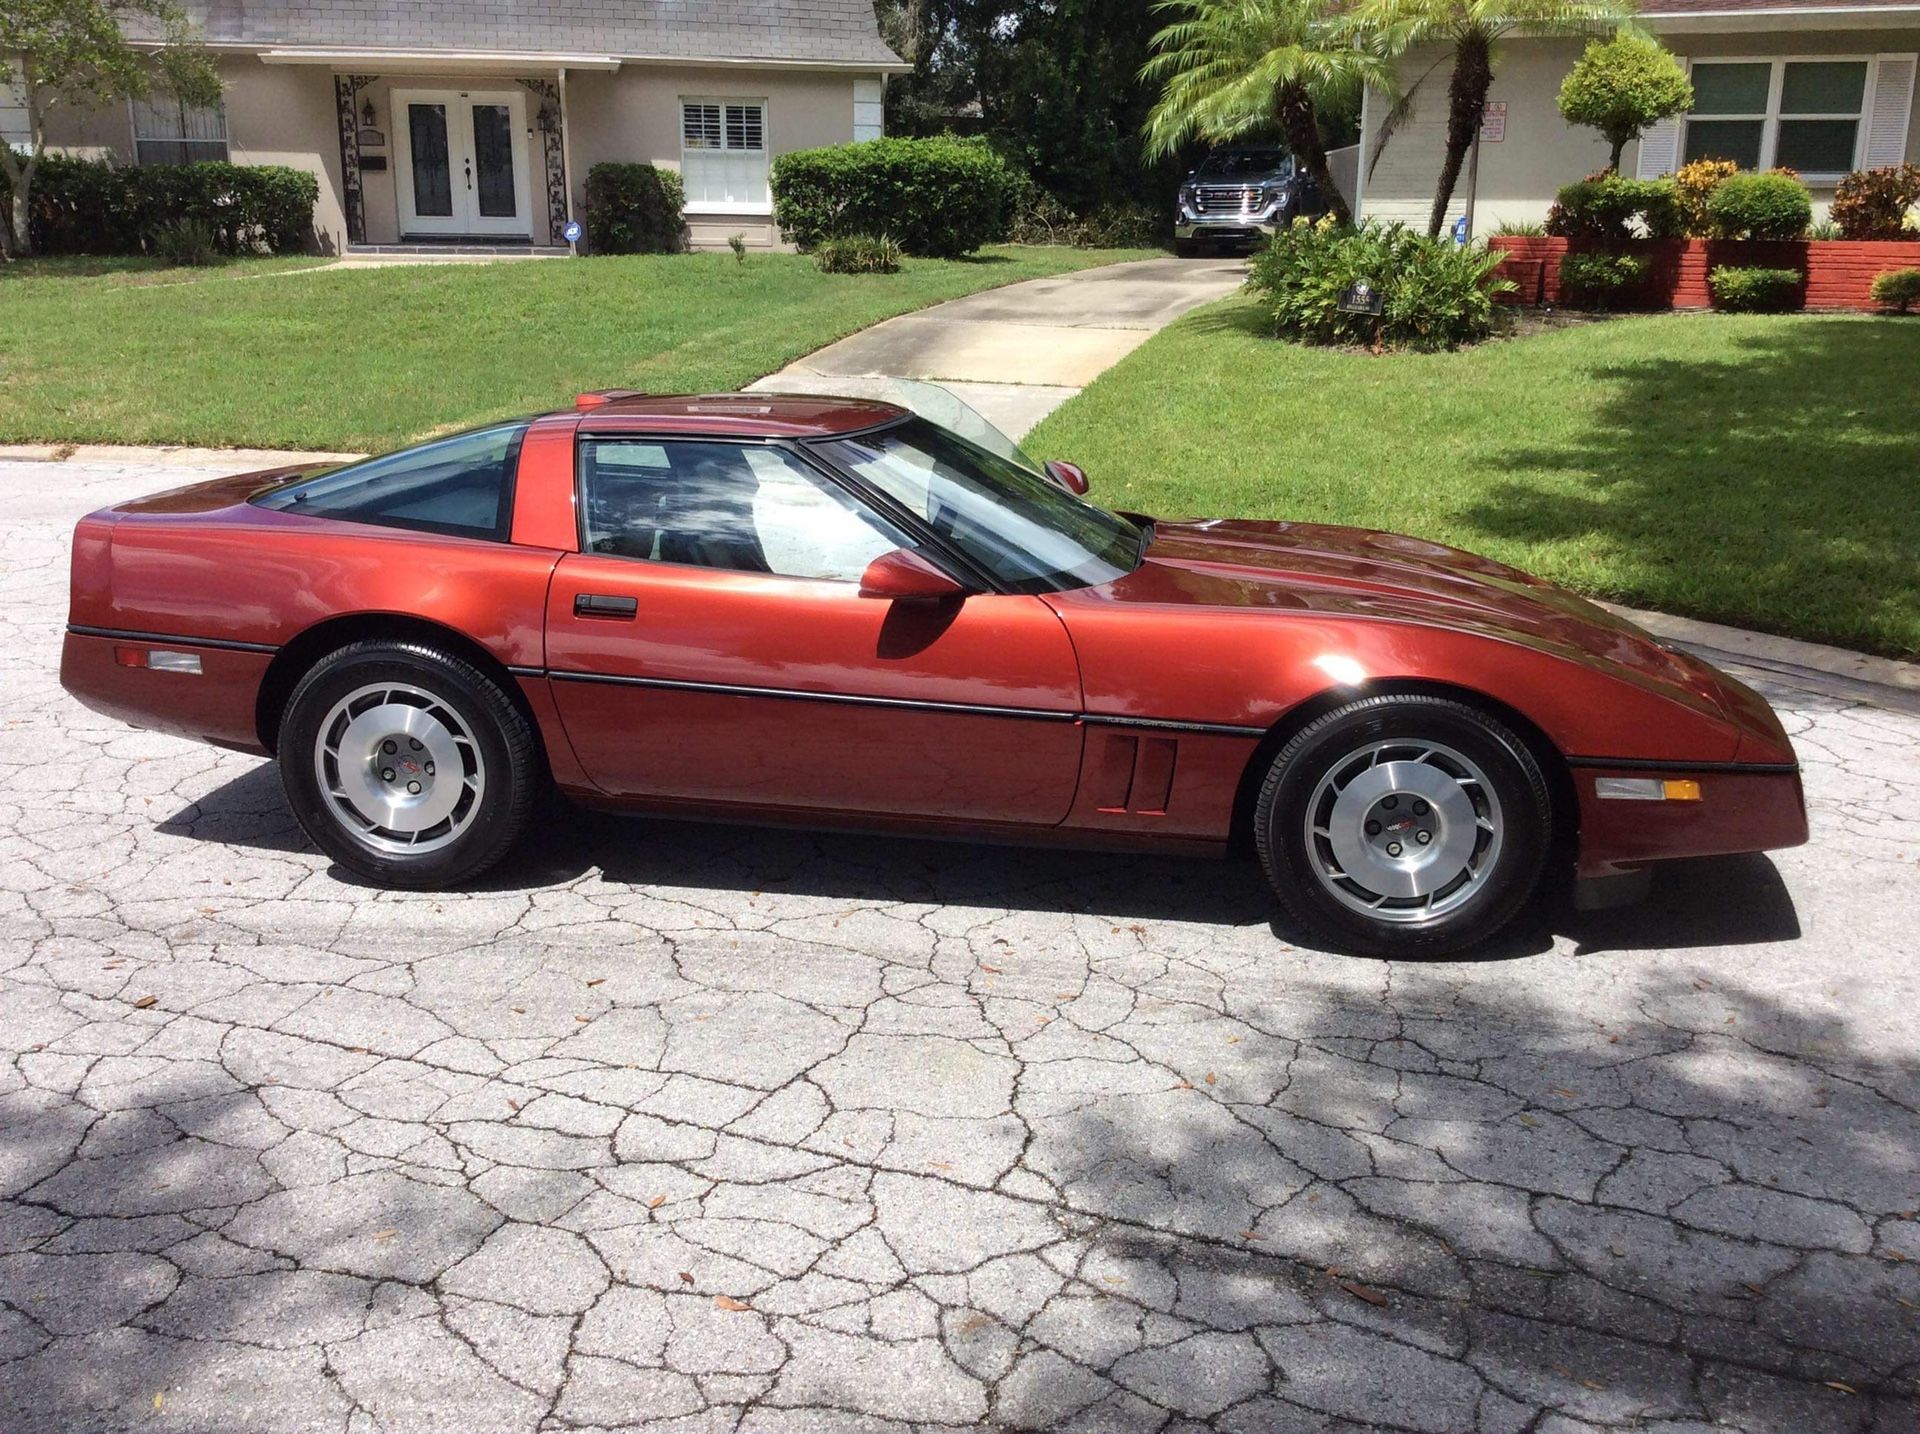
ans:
(1742, 808)
(216, 704)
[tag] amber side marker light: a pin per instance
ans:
(1647, 789)
(158, 660)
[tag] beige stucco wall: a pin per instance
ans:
(284, 114)
(1541, 151)
(632, 115)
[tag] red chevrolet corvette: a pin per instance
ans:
(835, 611)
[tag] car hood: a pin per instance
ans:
(1357, 572)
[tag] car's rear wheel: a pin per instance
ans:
(1404, 825)
(407, 764)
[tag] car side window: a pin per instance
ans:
(460, 486)
(742, 507)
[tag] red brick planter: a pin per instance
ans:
(1840, 272)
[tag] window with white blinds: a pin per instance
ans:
(723, 155)
(165, 131)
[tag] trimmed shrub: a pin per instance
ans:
(1760, 206)
(1755, 290)
(1604, 208)
(858, 254)
(1434, 293)
(1623, 85)
(1897, 289)
(87, 206)
(1876, 203)
(1518, 229)
(635, 209)
(1693, 186)
(941, 197)
(1602, 280)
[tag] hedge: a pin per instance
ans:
(1746, 289)
(635, 209)
(88, 206)
(941, 197)
(1775, 205)
(1603, 207)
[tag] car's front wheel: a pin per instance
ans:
(1404, 825)
(407, 764)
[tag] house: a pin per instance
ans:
(476, 121)
(1818, 86)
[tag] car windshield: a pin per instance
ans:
(1241, 162)
(1030, 533)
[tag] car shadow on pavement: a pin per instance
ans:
(1706, 902)
(1456, 1206)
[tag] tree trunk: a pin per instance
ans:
(20, 240)
(1466, 102)
(1613, 160)
(1293, 108)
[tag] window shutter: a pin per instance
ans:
(1660, 149)
(1887, 118)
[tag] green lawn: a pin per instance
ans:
(1758, 471)
(361, 359)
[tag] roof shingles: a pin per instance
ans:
(840, 31)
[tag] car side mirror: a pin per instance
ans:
(904, 576)
(1070, 476)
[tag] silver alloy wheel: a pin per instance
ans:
(400, 768)
(1403, 831)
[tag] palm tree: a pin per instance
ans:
(1470, 27)
(1235, 67)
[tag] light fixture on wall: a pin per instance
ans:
(370, 138)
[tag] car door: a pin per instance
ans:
(710, 644)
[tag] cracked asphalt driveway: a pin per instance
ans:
(709, 1129)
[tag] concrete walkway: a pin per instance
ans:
(1019, 352)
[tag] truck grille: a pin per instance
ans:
(1226, 199)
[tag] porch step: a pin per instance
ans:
(457, 249)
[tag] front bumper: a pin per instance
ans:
(1225, 227)
(1743, 807)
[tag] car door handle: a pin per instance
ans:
(604, 605)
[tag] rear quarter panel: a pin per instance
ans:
(233, 584)
(264, 577)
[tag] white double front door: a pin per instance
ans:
(462, 161)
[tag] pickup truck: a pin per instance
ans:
(1238, 196)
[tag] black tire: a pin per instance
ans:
(1510, 826)
(472, 719)
(1186, 248)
